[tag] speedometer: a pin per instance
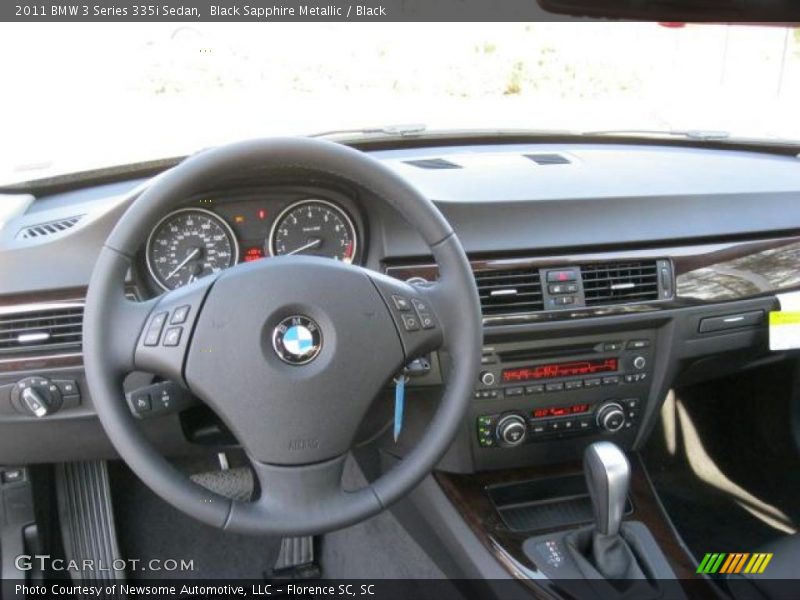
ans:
(314, 227)
(189, 244)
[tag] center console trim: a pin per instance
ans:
(468, 494)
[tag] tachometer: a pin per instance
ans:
(314, 227)
(188, 244)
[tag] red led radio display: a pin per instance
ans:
(565, 369)
(560, 411)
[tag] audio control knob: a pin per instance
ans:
(511, 430)
(640, 362)
(611, 417)
(487, 378)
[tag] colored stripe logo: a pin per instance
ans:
(734, 562)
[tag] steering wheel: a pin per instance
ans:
(290, 352)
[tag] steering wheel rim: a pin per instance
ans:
(301, 492)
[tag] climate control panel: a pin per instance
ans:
(517, 427)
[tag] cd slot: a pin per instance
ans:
(507, 356)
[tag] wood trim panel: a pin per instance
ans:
(704, 273)
(49, 296)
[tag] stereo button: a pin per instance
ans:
(534, 389)
(554, 387)
(401, 303)
(636, 344)
(427, 320)
(419, 305)
(410, 322)
(514, 391)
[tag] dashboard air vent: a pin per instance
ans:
(505, 292)
(548, 159)
(618, 283)
(52, 327)
(50, 228)
(433, 163)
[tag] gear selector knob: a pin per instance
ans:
(607, 474)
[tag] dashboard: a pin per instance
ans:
(608, 273)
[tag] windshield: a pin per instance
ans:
(84, 96)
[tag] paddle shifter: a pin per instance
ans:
(607, 476)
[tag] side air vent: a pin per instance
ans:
(51, 327)
(433, 163)
(618, 283)
(505, 292)
(41, 230)
(548, 159)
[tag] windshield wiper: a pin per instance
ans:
(692, 134)
(391, 130)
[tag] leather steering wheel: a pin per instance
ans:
(289, 352)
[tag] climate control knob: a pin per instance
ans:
(640, 362)
(511, 430)
(611, 417)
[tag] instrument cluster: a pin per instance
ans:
(212, 233)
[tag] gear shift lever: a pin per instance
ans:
(607, 477)
(624, 557)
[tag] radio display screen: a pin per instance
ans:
(561, 369)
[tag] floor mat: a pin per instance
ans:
(726, 473)
(149, 528)
(378, 548)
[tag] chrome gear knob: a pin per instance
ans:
(607, 474)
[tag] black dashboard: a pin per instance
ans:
(608, 273)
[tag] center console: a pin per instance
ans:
(545, 400)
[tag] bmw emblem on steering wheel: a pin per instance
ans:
(297, 340)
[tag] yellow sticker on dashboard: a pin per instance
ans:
(784, 318)
(784, 330)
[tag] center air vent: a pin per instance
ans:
(548, 159)
(53, 327)
(505, 292)
(617, 283)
